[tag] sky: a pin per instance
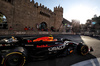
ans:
(75, 9)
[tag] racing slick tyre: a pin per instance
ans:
(13, 59)
(82, 49)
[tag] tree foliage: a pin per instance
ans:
(97, 19)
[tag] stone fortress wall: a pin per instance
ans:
(21, 13)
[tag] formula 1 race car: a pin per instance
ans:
(14, 51)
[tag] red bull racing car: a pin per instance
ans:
(14, 51)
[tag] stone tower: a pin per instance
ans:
(59, 17)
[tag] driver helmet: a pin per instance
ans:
(50, 36)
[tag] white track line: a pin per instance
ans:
(90, 62)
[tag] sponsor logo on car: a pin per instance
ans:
(56, 48)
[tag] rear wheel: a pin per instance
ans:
(82, 49)
(14, 59)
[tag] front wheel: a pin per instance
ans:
(14, 59)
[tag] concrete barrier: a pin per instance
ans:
(8, 32)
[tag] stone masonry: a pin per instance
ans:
(21, 13)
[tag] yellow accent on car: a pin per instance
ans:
(51, 38)
(14, 53)
(13, 38)
(2, 60)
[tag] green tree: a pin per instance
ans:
(97, 19)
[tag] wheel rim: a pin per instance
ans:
(84, 50)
